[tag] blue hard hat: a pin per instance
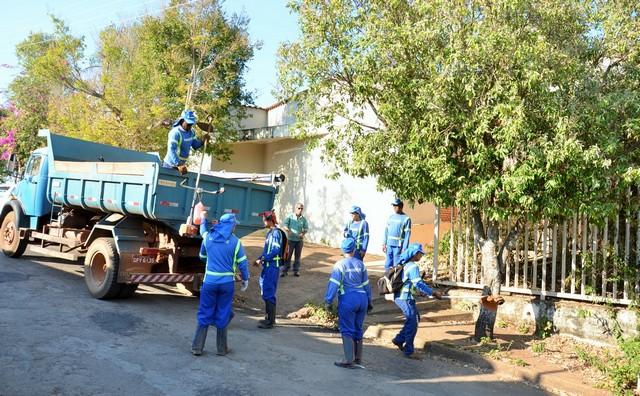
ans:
(397, 202)
(412, 250)
(228, 218)
(348, 245)
(189, 116)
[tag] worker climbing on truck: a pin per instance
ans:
(180, 141)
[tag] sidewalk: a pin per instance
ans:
(448, 332)
(443, 331)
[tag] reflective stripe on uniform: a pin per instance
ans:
(235, 261)
(213, 273)
(180, 147)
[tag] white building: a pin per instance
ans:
(266, 146)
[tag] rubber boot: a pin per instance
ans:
(221, 342)
(270, 321)
(357, 352)
(199, 339)
(347, 346)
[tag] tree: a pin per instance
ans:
(144, 75)
(499, 106)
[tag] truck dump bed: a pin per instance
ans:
(109, 179)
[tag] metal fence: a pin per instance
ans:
(578, 258)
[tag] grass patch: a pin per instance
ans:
(622, 371)
(538, 347)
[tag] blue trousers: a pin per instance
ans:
(358, 254)
(269, 282)
(216, 301)
(352, 308)
(392, 257)
(295, 248)
(411, 318)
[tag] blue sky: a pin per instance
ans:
(270, 22)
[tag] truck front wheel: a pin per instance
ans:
(12, 245)
(101, 269)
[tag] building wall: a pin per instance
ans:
(247, 157)
(327, 200)
(255, 118)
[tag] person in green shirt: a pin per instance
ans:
(296, 226)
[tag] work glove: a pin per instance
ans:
(203, 215)
(328, 307)
(182, 169)
(369, 307)
(362, 254)
(245, 285)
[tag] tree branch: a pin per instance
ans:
(478, 228)
(348, 78)
(507, 242)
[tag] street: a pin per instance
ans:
(57, 340)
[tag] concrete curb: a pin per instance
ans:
(551, 383)
(453, 353)
(548, 381)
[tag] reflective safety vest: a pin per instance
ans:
(236, 260)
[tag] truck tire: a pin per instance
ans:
(101, 269)
(12, 245)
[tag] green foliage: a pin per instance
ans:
(623, 370)
(318, 314)
(518, 108)
(545, 328)
(538, 347)
(523, 328)
(520, 362)
(444, 244)
(502, 324)
(485, 341)
(143, 75)
(584, 313)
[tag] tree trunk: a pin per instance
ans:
(490, 277)
(493, 254)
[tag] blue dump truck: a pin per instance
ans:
(123, 212)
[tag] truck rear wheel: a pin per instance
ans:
(101, 269)
(12, 245)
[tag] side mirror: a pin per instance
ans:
(12, 163)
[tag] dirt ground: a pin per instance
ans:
(514, 344)
(293, 292)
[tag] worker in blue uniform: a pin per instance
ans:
(396, 234)
(358, 229)
(349, 280)
(181, 140)
(224, 254)
(271, 259)
(405, 300)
